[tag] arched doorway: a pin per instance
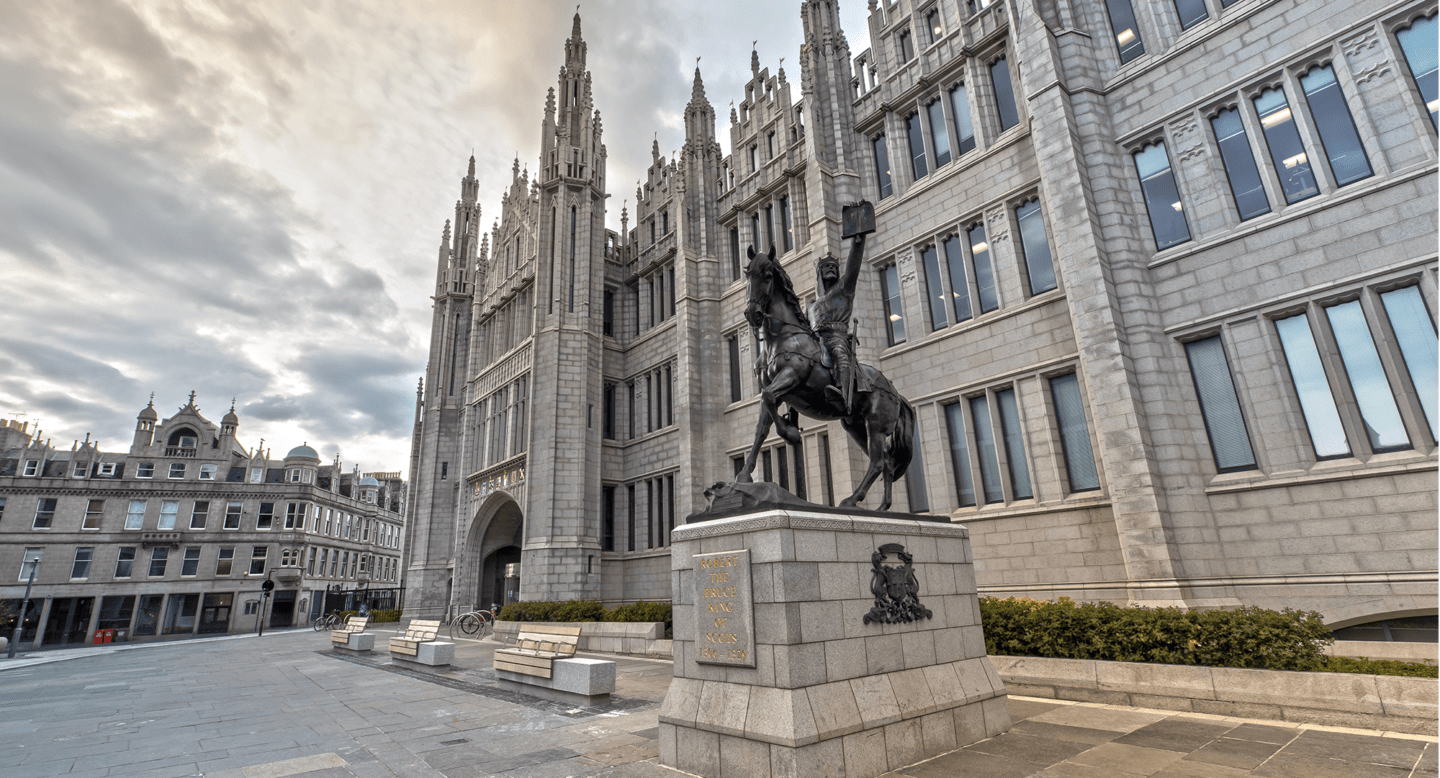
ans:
(495, 538)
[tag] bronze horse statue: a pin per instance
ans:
(792, 364)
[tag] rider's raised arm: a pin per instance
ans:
(852, 265)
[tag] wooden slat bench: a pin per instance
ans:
(542, 663)
(416, 632)
(353, 626)
(536, 649)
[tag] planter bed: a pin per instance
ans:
(1390, 703)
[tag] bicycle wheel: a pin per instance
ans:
(471, 623)
(319, 623)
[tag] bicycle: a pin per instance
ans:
(472, 623)
(329, 621)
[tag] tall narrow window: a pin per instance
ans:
(1277, 123)
(766, 473)
(932, 25)
(992, 489)
(959, 288)
(258, 555)
(135, 516)
(1162, 196)
(226, 557)
(190, 565)
(915, 491)
(782, 463)
(1074, 434)
(124, 561)
(1036, 247)
(1418, 44)
(1004, 94)
(786, 232)
(964, 128)
(907, 49)
(1317, 404)
(1220, 405)
(609, 320)
(894, 313)
(882, 166)
(1192, 12)
(1244, 177)
(199, 515)
(573, 221)
(607, 518)
(630, 517)
(1126, 29)
(934, 288)
(938, 135)
(770, 226)
(266, 516)
(734, 253)
(1014, 444)
(650, 515)
(44, 513)
(159, 557)
(81, 567)
(607, 412)
(959, 454)
(799, 449)
(1367, 378)
(94, 511)
(169, 511)
(917, 146)
(1340, 141)
(1415, 334)
(985, 289)
(732, 345)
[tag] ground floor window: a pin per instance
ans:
(215, 613)
(180, 614)
(147, 618)
(115, 612)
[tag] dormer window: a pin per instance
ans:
(107, 469)
(207, 472)
(32, 467)
(80, 470)
(293, 475)
(306, 476)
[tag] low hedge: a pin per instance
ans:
(376, 617)
(1248, 637)
(588, 610)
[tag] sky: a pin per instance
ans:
(244, 198)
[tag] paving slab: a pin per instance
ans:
(287, 705)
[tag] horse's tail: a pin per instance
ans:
(900, 445)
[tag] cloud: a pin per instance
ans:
(245, 198)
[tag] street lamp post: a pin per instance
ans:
(24, 606)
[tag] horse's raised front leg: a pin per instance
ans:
(876, 451)
(786, 381)
(762, 431)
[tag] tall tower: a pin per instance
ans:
(435, 464)
(829, 118)
(560, 559)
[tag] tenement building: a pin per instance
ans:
(1159, 278)
(178, 535)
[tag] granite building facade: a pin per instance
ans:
(1159, 278)
(176, 536)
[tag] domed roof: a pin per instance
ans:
(369, 481)
(148, 412)
(231, 418)
(303, 451)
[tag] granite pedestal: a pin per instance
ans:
(356, 643)
(436, 653)
(814, 688)
(587, 682)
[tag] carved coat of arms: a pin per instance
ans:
(895, 587)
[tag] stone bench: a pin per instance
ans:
(417, 645)
(542, 664)
(352, 637)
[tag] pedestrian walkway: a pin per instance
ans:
(285, 704)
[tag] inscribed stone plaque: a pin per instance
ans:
(724, 612)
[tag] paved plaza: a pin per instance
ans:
(284, 704)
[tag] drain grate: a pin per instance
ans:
(457, 741)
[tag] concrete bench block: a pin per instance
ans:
(433, 654)
(585, 682)
(359, 642)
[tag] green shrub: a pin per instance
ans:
(587, 610)
(1248, 637)
(385, 617)
(1344, 664)
(577, 610)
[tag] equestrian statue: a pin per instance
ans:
(808, 363)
